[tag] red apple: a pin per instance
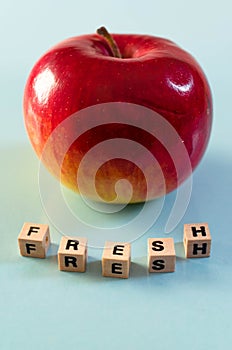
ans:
(141, 70)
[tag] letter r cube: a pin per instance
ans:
(72, 254)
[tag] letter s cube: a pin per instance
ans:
(161, 255)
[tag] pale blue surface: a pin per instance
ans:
(42, 308)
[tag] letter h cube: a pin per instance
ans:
(197, 240)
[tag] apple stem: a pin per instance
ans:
(113, 45)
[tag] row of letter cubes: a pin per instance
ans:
(34, 241)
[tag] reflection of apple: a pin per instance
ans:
(88, 70)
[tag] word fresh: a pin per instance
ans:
(34, 241)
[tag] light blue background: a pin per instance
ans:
(42, 308)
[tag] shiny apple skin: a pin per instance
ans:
(153, 72)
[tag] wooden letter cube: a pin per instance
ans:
(34, 240)
(116, 259)
(161, 255)
(72, 254)
(197, 240)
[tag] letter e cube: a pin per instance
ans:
(116, 259)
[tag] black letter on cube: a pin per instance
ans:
(197, 240)
(34, 240)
